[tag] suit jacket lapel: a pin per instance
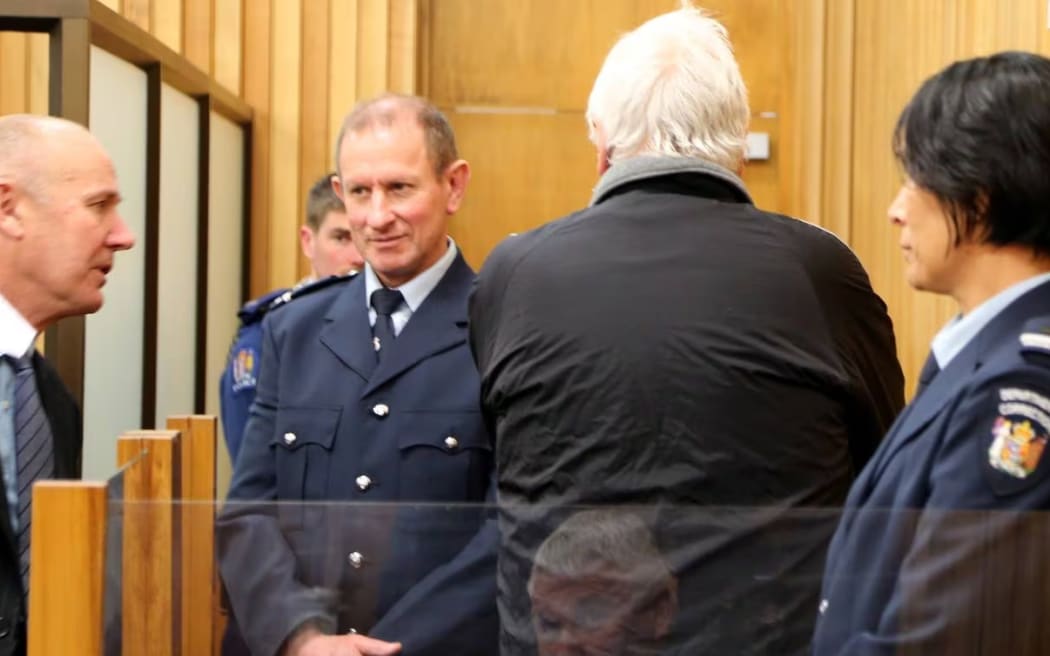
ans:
(439, 324)
(347, 332)
(947, 383)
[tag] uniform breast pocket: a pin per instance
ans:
(445, 456)
(302, 445)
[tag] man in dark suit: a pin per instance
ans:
(367, 393)
(673, 345)
(59, 232)
(942, 547)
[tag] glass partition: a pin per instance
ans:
(590, 580)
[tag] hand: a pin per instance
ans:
(311, 642)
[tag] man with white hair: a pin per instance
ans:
(673, 345)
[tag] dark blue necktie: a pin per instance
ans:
(34, 451)
(385, 302)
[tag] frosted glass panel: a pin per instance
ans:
(225, 237)
(177, 258)
(113, 336)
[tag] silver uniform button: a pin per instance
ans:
(380, 409)
(823, 606)
(356, 559)
(364, 482)
(451, 442)
(289, 438)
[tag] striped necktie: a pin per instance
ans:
(34, 451)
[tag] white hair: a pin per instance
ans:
(672, 87)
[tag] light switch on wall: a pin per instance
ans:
(757, 145)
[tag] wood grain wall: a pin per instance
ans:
(300, 64)
(827, 79)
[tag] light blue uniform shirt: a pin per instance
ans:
(957, 334)
(415, 291)
(16, 339)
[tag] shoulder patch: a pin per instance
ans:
(243, 364)
(1018, 437)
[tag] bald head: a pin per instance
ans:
(29, 145)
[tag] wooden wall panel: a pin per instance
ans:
(507, 66)
(197, 32)
(522, 182)
(286, 73)
(315, 149)
(166, 23)
(14, 85)
(227, 44)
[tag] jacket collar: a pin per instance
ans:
(438, 324)
(947, 384)
(647, 167)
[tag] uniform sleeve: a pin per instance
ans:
(976, 577)
(257, 565)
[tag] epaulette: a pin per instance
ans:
(1035, 336)
(306, 289)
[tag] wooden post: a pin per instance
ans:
(66, 580)
(199, 587)
(150, 564)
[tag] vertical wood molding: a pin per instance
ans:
(404, 36)
(256, 84)
(227, 45)
(313, 110)
(13, 83)
(166, 23)
(342, 65)
(284, 140)
(38, 73)
(373, 38)
(836, 173)
(138, 12)
(198, 34)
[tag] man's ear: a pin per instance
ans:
(306, 241)
(11, 225)
(337, 187)
(457, 177)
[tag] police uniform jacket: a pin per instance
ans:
(333, 429)
(672, 344)
(64, 417)
(942, 548)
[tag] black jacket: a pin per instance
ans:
(64, 416)
(675, 347)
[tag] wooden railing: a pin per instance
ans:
(165, 511)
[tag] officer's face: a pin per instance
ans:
(397, 205)
(932, 260)
(331, 249)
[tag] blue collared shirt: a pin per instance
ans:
(957, 334)
(16, 339)
(415, 291)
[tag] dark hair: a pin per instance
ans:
(320, 201)
(977, 136)
(388, 108)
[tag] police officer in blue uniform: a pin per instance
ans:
(326, 243)
(942, 548)
(367, 409)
